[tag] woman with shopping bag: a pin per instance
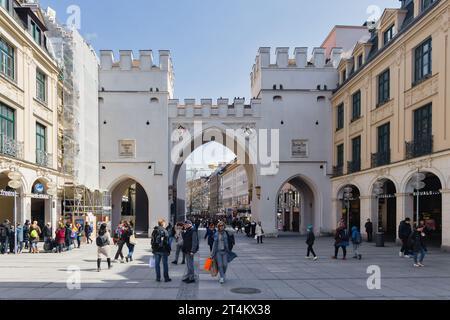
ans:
(221, 251)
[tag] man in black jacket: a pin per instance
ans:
(161, 250)
(190, 248)
(5, 230)
(369, 230)
(404, 231)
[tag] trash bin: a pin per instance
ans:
(379, 239)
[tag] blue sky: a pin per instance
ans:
(213, 43)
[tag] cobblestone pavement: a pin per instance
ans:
(277, 269)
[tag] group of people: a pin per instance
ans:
(67, 236)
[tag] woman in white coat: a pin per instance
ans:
(259, 233)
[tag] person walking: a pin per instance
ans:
(210, 233)
(104, 243)
(404, 232)
(259, 233)
(26, 235)
(171, 231)
(161, 250)
(79, 233)
(253, 229)
(87, 232)
(190, 248)
(60, 238)
(11, 238)
(35, 232)
(221, 250)
(67, 237)
(341, 241)
(130, 241)
(369, 230)
(5, 230)
(356, 240)
(416, 243)
(19, 234)
(179, 243)
(310, 239)
(122, 240)
(47, 233)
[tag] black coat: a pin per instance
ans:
(404, 230)
(369, 227)
(190, 241)
(310, 238)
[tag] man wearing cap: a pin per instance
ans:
(190, 248)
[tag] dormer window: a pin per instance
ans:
(343, 76)
(360, 61)
(388, 35)
(36, 33)
(426, 4)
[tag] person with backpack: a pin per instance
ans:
(416, 243)
(356, 240)
(103, 242)
(88, 232)
(310, 239)
(341, 241)
(210, 233)
(60, 238)
(190, 248)
(35, 232)
(161, 250)
(221, 250)
(4, 236)
(179, 243)
(259, 233)
(404, 232)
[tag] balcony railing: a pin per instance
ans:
(353, 166)
(10, 147)
(338, 171)
(381, 158)
(419, 147)
(44, 159)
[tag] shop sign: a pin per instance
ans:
(386, 196)
(4, 193)
(39, 188)
(40, 196)
(428, 193)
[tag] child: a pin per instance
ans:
(310, 238)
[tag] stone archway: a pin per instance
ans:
(349, 208)
(7, 199)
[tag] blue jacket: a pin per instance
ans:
(355, 234)
(231, 255)
(210, 234)
(19, 232)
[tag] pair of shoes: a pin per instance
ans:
(121, 261)
(421, 265)
(98, 269)
(416, 265)
(222, 281)
(307, 257)
(406, 256)
(360, 257)
(168, 280)
(190, 281)
(174, 262)
(315, 258)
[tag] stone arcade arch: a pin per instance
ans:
(7, 199)
(41, 204)
(352, 207)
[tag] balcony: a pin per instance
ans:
(381, 158)
(338, 171)
(10, 147)
(419, 147)
(44, 159)
(353, 166)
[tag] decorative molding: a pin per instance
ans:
(400, 55)
(422, 91)
(383, 112)
(356, 126)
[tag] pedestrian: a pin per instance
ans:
(87, 232)
(131, 241)
(35, 232)
(19, 233)
(247, 228)
(26, 235)
(210, 233)
(341, 241)
(171, 231)
(253, 229)
(310, 239)
(259, 233)
(179, 243)
(404, 232)
(12, 239)
(369, 230)
(221, 250)
(416, 243)
(190, 248)
(67, 236)
(79, 233)
(60, 238)
(123, 238)
(103, 242)
(4, 236)
(161, 250)
(47, 233)
(356, 240)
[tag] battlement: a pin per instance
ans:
(127, 62)
(206, 108)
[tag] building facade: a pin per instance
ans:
(29, 116)
(391, 121)
(234, 190)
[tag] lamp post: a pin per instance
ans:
(418, 184)
(347, 196)
(15, 183)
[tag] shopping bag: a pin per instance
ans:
(208, 264)
(214, 269)
(151, 262)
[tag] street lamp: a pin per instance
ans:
(15, 183)
(418, 184)
(347, 196)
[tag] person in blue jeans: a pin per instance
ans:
(161, 250)
(417, 245)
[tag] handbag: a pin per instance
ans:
(214, 269)
(208, 264)
(151, 262)
(133, 240)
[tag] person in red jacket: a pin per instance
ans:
(60, 238)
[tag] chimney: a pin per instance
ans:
(164, 59)
(126, 60)
(336, 55)
(106, 59)
(264, 56)
(282, 57)
(146, 59)
(301, 57)
(319, 57)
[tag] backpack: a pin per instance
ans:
(34, 234)
(159, 240)
(3, 232)
(357, 239)
(231, 241)
(101, 241)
